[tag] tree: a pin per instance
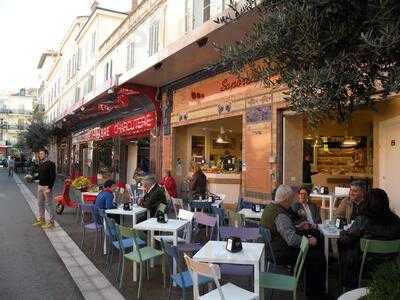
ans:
(334, 56)
(38, 132)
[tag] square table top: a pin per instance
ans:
(152, 224)
(215, 252)
(120, 211)
(330, 232)
(250, 214)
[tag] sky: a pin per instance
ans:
(30, 27)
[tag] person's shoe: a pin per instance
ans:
(39, 222)
(48, 225)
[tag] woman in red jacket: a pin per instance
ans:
(169, 184)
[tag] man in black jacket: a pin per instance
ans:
(47, 176)
(154, 195)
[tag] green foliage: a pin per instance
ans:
(38, 133)
(80, 183)
(385, 283)
(334, 56)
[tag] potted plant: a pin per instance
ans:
(81, 183)
(385, 283)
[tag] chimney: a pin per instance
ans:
(134, 5)
(95, 4)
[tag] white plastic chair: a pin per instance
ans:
(228, 291)
(182, 215)
(340, 192)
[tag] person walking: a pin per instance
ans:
(11, 166)
(47, 176)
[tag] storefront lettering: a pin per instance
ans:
(127, 127)
(229, 85)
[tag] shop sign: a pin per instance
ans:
(126, 127)
(259, 114)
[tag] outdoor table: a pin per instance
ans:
(329, 232)
(332, 200)
(252, 254)
(250, 214)
(151, 225)
(354, 294)
(136, 210)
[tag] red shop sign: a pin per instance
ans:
(126, 127)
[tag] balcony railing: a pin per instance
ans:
(13, 127)
(15, 111)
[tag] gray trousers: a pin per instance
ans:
(45, 201)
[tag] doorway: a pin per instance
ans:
(389, 153)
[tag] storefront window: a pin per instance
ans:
(103, 151)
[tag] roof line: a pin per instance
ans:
(90, 16)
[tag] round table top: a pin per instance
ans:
(354, 294)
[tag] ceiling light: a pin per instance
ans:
(349, 142)
(110, 91)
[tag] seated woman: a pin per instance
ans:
(376, 221)
(305, 210)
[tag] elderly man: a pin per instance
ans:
(154, 195)
(349, 208)
(286, 240)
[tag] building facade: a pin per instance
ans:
(143, 89)
(15, 115)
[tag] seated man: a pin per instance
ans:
(154, 195)
(286, 241)
(105, 199)
(350, 206)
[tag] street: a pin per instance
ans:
(29, 266)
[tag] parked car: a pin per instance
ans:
(4, 163)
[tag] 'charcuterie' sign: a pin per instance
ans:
(127, 127)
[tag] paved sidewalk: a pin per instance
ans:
(29, 266)
(90, 281)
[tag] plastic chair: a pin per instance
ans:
(176, 204)
(138, 255)
(220, 213)
(377, 247)
(228, 291)
(182, 279)
(94, 225)
(266, 236)
(121, 246)
(210, 224)
(236, 219)
(286, 282)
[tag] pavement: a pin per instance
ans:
(30, 268)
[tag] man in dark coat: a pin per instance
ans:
(198, 185)
(154, 195)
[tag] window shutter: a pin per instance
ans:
(127, 56)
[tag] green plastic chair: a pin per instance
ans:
(138, 255)
(276, 281)
(236, 219)
(378, 247)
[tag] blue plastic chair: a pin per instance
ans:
(266, 236)
(182, 279)
(126, 243)
(94, 225)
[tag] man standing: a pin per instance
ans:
(349, 208)
(47, 176)
(11, 166)
(307, 169)
(154, 195)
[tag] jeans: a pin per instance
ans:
(45, 201)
